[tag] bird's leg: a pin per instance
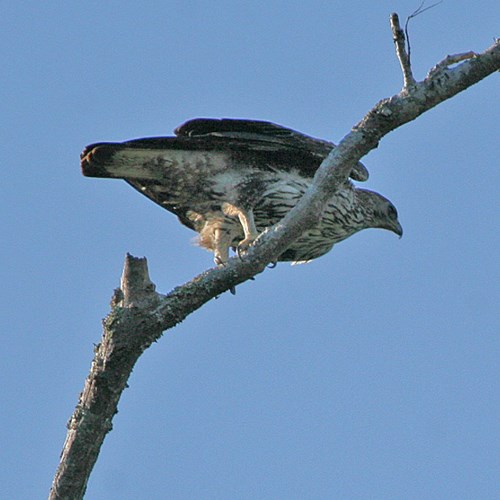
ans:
(221, 247)
(247, 223)
(249, 229)
(221, 250)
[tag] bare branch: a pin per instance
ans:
(404, 57)
(122, 343)
(139, 314)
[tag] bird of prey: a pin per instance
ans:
(230, 179)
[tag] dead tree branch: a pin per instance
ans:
(140, 315)
(403, 55)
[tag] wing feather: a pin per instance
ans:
(262, 135)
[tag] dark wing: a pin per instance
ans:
(249, 142)
(257, 144)
(262, 135)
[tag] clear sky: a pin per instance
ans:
(372, 372)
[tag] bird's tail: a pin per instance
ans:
(146, 159)
(97, 160)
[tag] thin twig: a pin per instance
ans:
(448, 61)
(419, 11)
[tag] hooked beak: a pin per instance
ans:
(398, 229)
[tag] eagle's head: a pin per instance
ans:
(381, 212)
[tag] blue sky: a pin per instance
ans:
(369, 373)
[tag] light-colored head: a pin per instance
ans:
(381, 213)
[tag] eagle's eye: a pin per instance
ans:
(392, 212)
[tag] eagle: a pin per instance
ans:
(231, 179)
